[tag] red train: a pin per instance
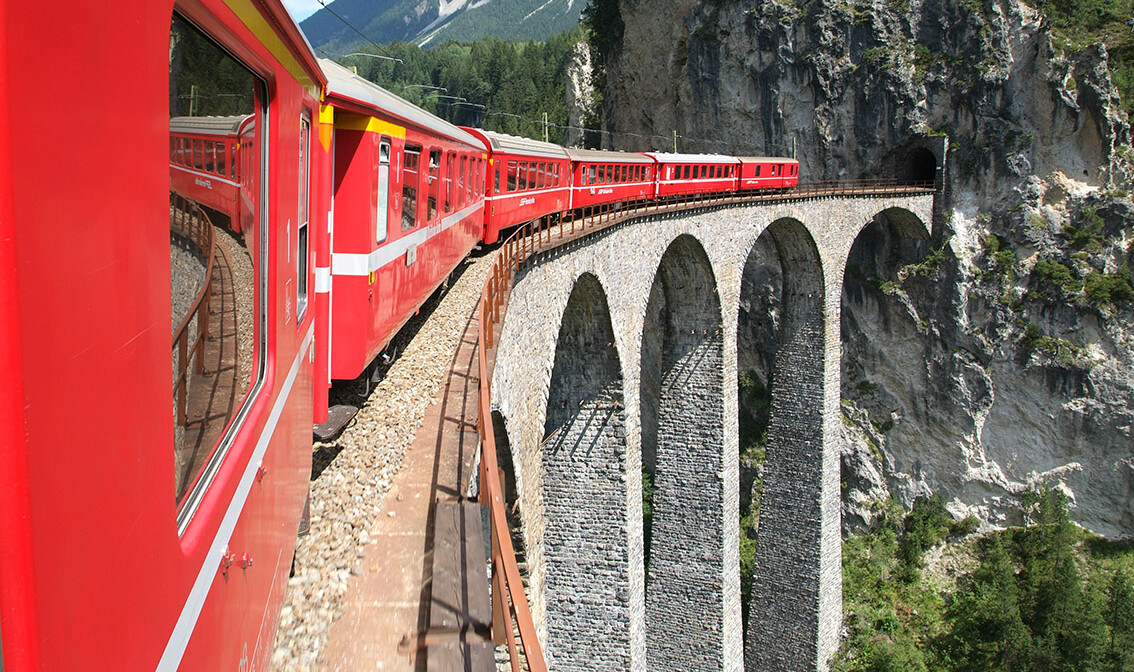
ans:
(150, 497)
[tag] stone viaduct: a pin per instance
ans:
(619, 351)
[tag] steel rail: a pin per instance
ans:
(538, 236)
(189, 221)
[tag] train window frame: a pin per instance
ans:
(450, 168)
(382, 208)
(433, 182)
(302, 242)
(513, 175)
(411, 184)
(263, 119)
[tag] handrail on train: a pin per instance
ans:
(510, 610)
(189, 221)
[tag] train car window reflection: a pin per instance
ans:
(513, 175)
(218, 249)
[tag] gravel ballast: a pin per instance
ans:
(349, 492)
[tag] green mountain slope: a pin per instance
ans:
(432, 22)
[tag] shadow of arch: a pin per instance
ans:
(681, 399)
(504, 459)
(584, 458)
(890, 291)
(784, 627)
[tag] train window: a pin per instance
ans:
(301, 247)
(219, 262)
(462, 172)
(222, 159)
(450, 168)
(496, 179)
(411, 177)
(757, 170)
(382, 211)
(531, 174)
(434, 178)
(513, 175)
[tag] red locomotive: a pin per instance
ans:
(767, 173)
(151, 485)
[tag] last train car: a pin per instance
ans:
(408, 206)
(155, 401)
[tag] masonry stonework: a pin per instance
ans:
(796, 612)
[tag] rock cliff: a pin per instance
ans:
(1001, 351)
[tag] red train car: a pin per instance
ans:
(599, 177)
(687, 174)
(767, 172)
(132, 538)
(408, 206)
(526, 180)
(203, 161)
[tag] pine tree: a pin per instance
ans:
(987, 633)
(1120, 648)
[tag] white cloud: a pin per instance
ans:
(301, 9)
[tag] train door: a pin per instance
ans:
(382, 214)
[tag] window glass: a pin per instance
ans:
(434, 184)
(591, 179)
(301, 238)
(212, 386)
(382, 208)
(411, 178)
(513, 175)
(222, 159)
(450, 168)
(496, 180)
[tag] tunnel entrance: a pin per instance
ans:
(920, 168)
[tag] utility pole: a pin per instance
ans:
(545, 127)
(192, 99)
(675, 141)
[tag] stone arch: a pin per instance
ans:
(681, 405)
(584, 459)
(887, 299)
(792, 563)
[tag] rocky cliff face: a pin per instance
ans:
(1001, 351)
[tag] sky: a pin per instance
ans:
(301, 9)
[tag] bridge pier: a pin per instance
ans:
(800, 497)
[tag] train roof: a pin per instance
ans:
(668, 157)
(349, 87)
(229, 125)
(766, 159)
(512, 144)
(596, 155)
